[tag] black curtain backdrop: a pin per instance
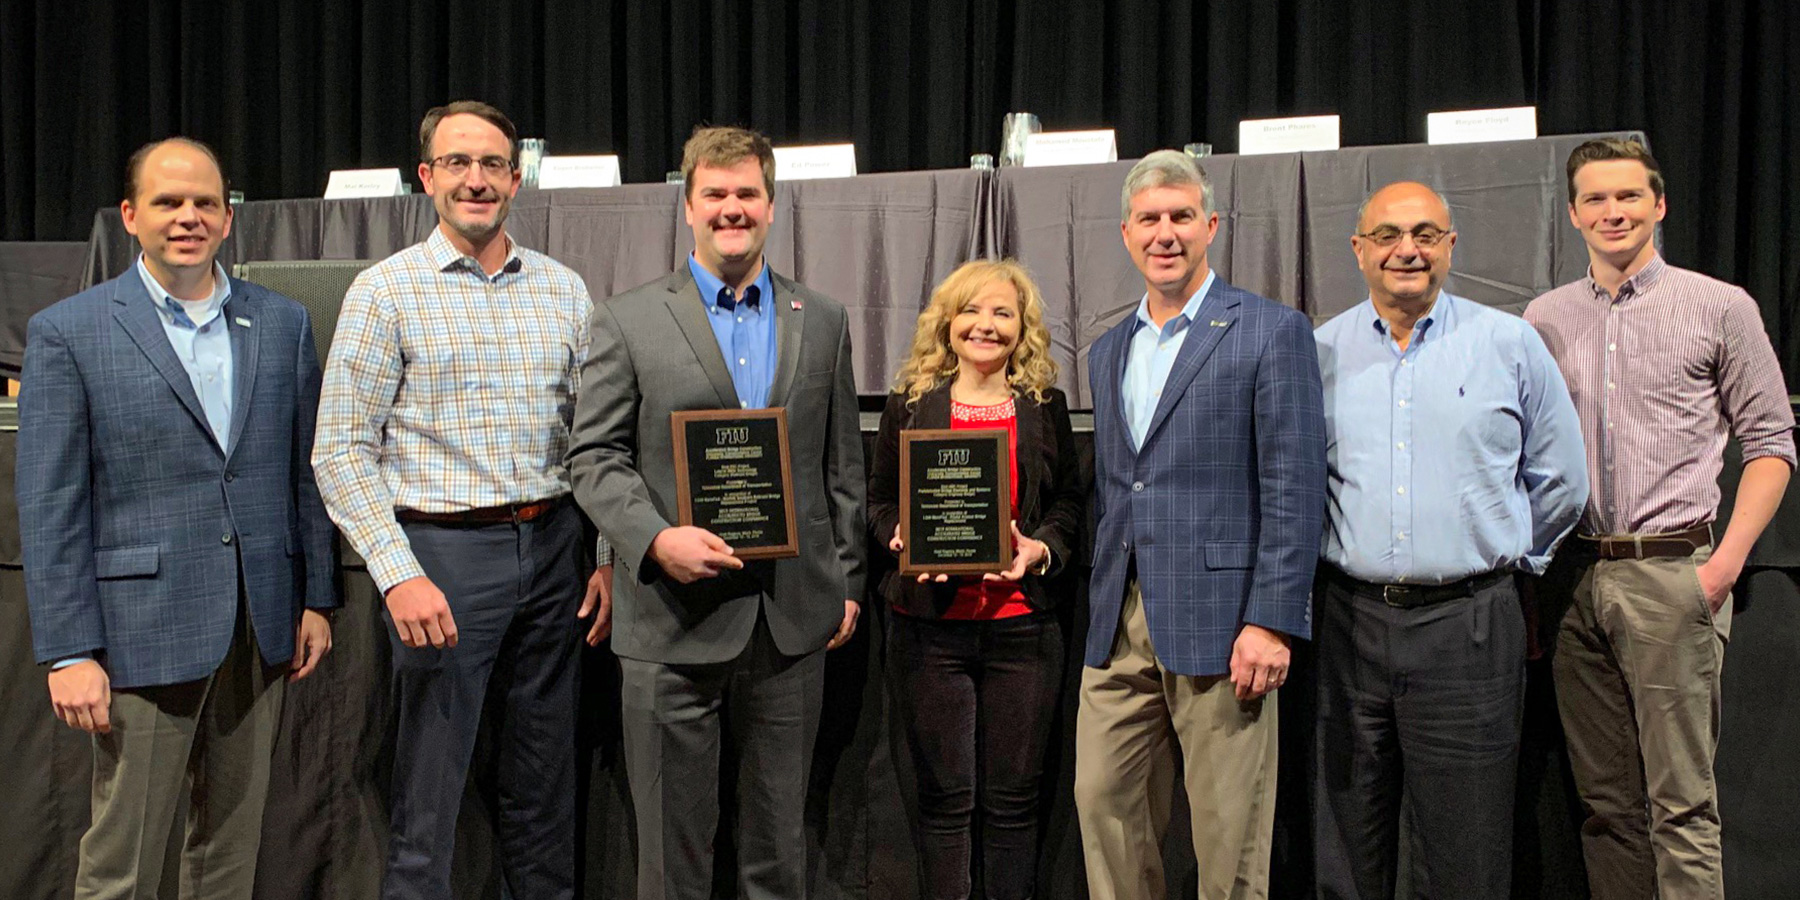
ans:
(288, 91)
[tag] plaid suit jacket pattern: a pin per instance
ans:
(1223, 508)
(137, 526)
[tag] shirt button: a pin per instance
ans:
(1611, 347)
(1406, 362)
(1611, 387)
(1401, 535)
(1400, 490)
(740, 318)
(1401, 445)
(742, 361)
(1403, 403)
(1137, 486)
(225, 538)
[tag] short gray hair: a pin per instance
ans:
(1165, 168)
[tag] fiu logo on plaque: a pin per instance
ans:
(956, 457)
(735, 434)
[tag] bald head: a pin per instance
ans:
(1400, 191)
(1402, 244)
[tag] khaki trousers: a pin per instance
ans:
(1133, 713)
(1637, 666)
(219, 731)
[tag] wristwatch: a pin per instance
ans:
(1043, 568)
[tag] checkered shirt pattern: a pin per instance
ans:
(446, 390)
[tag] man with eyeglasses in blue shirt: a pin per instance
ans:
(1454, 462)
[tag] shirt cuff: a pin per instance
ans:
(603, 552)
(68, 661)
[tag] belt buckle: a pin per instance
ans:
(1391, 593)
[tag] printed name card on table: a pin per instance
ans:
(1295, 134)
(822, 161)
(1470, 126)
(578, 171)
(1071, 148)
(345, 184)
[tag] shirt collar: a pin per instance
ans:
(1438, 320)
(1188, 310)
(445, 256)
(1636, 284)
(710, 285)
(171, 310)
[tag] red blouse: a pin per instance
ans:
(976, 598)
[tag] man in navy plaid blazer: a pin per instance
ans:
(1209, 459)
(178, 560)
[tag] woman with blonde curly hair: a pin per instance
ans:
(975, 663)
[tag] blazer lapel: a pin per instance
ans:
(1029, 419)
(1218, 313)
(136, 314)
(246, 339)
(1120, 351)
(790, 316)
(690, 314)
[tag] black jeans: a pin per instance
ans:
(976, 699)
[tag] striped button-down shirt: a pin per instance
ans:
(1658, 374)
(447, 389)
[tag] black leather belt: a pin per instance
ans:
(1645, 546)
(509, 514)
(1409, 596)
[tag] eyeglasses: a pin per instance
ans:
(1423, 236)
(457, 164)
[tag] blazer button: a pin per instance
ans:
(1137, 486)
(230, 476)
(225, 538)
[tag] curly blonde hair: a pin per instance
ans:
(931, 362)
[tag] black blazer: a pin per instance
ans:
(1052, 493)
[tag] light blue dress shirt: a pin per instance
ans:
(1150, 357)
(1459, 456)
(203, 343)
(745, 329)
(204, 347)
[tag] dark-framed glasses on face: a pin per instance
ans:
(1425, 236)
(457, 164)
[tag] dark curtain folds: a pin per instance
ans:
(288, 91)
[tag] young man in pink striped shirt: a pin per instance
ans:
(1660, 361)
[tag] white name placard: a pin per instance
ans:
(1291, 135)
(347, 183)
(821, 161)
(578, 171)
(1470, 126)
(1071, 148)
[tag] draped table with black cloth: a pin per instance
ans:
(33, 275)
(878, 244)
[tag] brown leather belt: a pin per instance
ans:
(510, 514)
(1411, 596)
(1646, 546)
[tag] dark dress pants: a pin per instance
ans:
(1427, 701)
(514, 591)
(976, 699)
(672, 717)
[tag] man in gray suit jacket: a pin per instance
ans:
(178, 561)
(698, 630)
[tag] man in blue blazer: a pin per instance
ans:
(1209, 493)
(178, 561)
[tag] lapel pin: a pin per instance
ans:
(795, 304)
(242, 321)
(1218, 324)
